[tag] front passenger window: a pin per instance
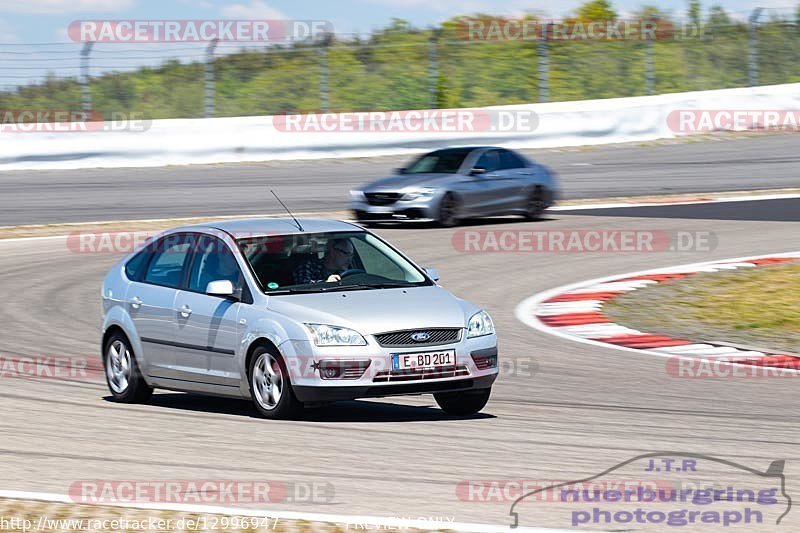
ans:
(489, 161)
(214, 262)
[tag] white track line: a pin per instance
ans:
(525, 310)
(355, 522)
(617, 205)
(722, 200)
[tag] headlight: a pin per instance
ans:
(425, 192)
(357, 196)
(480, 324)
(335, 336)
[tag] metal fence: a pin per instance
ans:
(405, 69)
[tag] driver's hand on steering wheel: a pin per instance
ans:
(334, 277)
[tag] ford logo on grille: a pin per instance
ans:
(420, 336)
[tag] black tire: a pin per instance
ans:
(449, 211)
(463, 403)
(536, 204)
(119, 363)
(287, 406)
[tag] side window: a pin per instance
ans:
(510, 160)
(169, 258)
(489, 161)
(213, 261)
(134, 268)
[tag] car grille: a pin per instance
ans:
(421, 375)
(402, 339)
(382, 198)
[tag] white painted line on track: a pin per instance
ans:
(354, 521)
(722, 200)
(616, 205)
(526, 311)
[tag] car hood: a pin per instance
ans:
(379, 310)
(394, 183)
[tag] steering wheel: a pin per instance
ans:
(352, 271)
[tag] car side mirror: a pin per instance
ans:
(432, 273)
(477, 171)
(400, 170)
(222, 288)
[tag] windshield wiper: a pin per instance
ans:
(337, 288)
(334, 288)
(353, 287)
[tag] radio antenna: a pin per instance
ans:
(287, 210)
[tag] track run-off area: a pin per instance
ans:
(561, 410)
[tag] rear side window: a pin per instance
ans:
(134, 268)
(510, 160)
(169, 258)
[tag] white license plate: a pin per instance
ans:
(423, 360)
(379, 209)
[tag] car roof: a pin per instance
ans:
(259, 227)
(467, 148)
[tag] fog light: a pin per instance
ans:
(484, 362)
(341, 369)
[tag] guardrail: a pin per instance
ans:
(128, 143)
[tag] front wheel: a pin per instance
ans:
(270, 386)
(535, 206)
(449, 210)
(463, 403)
(123, 376)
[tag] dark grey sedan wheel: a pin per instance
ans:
(536, 205)
(449, 210)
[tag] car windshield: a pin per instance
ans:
(320, 262)
(441, 161)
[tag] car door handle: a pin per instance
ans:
(185, 311)
(136, 302)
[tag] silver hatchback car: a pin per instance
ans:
(453, 184)
(290, 313)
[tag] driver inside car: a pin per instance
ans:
(337, 259)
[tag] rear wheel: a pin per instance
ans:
(535, 206)
(463, 403)
(270, 385)
(123, 376)
(449, 210)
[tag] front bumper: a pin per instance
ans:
(379, 379)
(421, 210)
(332, 394)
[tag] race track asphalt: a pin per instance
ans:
(561, 410)
(725, 163)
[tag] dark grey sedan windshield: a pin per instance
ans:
(441, 161)
(317, 262)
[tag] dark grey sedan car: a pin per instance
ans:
(452, 184)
